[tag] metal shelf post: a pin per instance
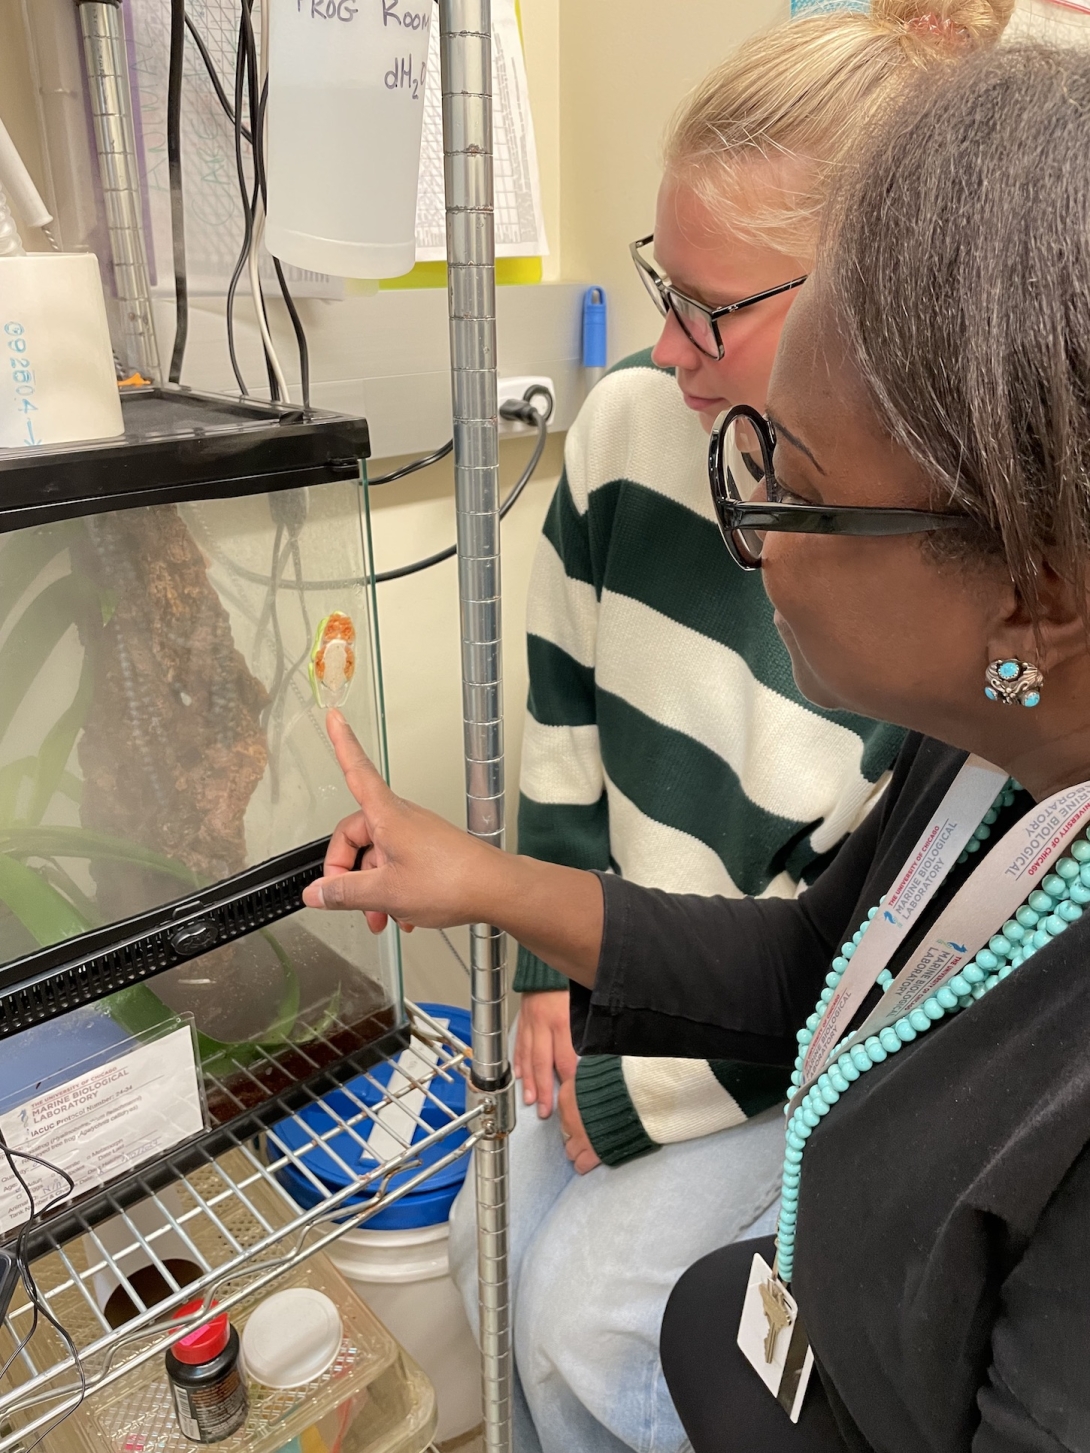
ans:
(465, 30)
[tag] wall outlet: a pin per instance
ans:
(515, 388)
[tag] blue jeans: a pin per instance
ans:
(593, 1259)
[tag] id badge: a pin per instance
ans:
(772, 1340)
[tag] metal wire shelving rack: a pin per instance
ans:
(238, 1225)
(241, 1228)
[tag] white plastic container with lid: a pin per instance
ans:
(291, 1338)
(345, 111)
(404, 1277)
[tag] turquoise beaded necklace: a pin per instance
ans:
(1045, 914)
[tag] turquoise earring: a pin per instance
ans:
(1013, 683)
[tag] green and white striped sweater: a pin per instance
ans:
(665, 737)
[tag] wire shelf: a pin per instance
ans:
(238, 1226)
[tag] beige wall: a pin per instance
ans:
(623, 67)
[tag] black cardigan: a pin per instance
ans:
(942, 1263)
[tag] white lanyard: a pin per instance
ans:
(999, 884)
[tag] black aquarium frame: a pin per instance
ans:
(178, 445)
(51, 981)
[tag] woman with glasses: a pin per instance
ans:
(921, 520)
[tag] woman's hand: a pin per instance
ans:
(392, 859)
(577, 1146)
(543, 1045)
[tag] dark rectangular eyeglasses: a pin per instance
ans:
(699, 323)
(749, 499)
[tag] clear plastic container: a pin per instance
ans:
(370, 1398)
(162, 730)
(345, 109)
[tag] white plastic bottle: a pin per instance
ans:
(345, 109)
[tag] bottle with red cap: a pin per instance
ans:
(206, 1382)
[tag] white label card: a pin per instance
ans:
(102, 1123)
(772, 1340)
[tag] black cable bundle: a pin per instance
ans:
(250, 98)
(20, 1259)
(174, 169)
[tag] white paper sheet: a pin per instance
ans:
(520, 228)
(103, 1122)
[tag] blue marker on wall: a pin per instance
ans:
(594, 335)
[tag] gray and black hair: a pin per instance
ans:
(958, 255)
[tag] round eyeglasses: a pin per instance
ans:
(699, 323)
(749, 500)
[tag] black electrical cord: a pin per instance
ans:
(174, 169)
(411, 468)
(39, 1308)
(245, 86)
(262, 180)
(511, 410)
(524, 412)
(300, 335)
(255, 99)
(213, 74)
(247, 81)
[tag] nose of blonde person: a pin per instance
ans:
(674, 348)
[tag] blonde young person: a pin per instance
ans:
(665, 737)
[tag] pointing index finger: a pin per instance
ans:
(363, 778)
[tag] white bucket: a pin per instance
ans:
(404, 1277)
(345, 109)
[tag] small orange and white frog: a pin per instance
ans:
(333, 659)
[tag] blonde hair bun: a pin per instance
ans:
(977, 22)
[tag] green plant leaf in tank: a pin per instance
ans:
(25, 556)
(71, 786)
(82, 842)
(66, 885)
(42, 911)
(140, 1010)
(322, 1026)
(57, 747)
(12, 777)
(67, 602)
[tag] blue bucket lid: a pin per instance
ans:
(430, 1204)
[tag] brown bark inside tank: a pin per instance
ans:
(173, 745)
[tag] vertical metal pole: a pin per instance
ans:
(115, 140)
(466, 56)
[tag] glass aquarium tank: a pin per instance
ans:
(178, 609)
